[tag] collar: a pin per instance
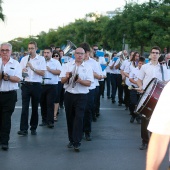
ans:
(11, 60)
(74, 63)
(155, 65)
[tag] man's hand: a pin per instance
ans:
(140, 90)
(48, 68)
(68, 74)
(29, 65)
(6, 77)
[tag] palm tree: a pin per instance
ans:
(2, 17)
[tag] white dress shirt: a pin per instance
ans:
(134, 75)
(149, 71)
(12, 68)
(54, 65)
(84, 72)
(38, 63)
(93, 64)
(160, 119)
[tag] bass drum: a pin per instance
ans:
(149, 98)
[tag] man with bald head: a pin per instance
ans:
(77, 77)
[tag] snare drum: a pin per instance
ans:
(149, 98)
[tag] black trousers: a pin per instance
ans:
(7, 106)
(61, 102)
(145, 134)
(134, 97)
(126, 95)
(101, 85)
(47, 101)
(75, 108)
(96, 93)
(33, 92)
(88, 111)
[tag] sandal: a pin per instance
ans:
(55, 118)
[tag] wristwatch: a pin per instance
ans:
(34, 69)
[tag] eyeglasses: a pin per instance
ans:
(95, 49)
(5, 50)
(155, 53)
(79, 53)
(31, 48)
(56, 55)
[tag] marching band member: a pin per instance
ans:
(133, 63)
(35, 66)
(113, 76)
(10, 75)
(118, 77)
(159, 125)
(77, 77)
(147, 72)
(125, 78)
(108, 73)
(49, 88)
(91, 94)
(134, 95)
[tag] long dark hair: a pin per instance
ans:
(56, 52)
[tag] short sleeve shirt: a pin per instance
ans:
(12, 68)
(38, 63)
(160, 119)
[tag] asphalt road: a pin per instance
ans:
(114, 144)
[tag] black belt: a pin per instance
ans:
(7, 92)
(49, 84)
(31, 83)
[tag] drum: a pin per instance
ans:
(149, 98)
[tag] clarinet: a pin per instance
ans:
(23, 81)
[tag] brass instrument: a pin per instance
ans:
(69, 48)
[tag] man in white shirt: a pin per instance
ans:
(77, 77)
(159, 125)
(146, 74)
(87, 128)
(34, 66)
(49, 88)
(10, 76)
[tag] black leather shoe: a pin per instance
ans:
(126, 108)
(33, 132)
(70, 145)
(4, 147)
(77, 147)
(144, 146)
(138, 120)
(88, 137)
(43, 124)
(113, 101)
(97, 114)
(132, 119)
(23, 132)
(94, 119)
(50, 125)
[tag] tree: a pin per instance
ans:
(2, 17)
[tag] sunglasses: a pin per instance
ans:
(56, 55)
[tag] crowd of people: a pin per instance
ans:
(76, 83)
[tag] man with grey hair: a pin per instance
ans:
(11, 74)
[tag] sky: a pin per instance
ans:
(30, 17)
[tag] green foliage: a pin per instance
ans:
(2, 17)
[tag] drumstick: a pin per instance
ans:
(133, 88)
